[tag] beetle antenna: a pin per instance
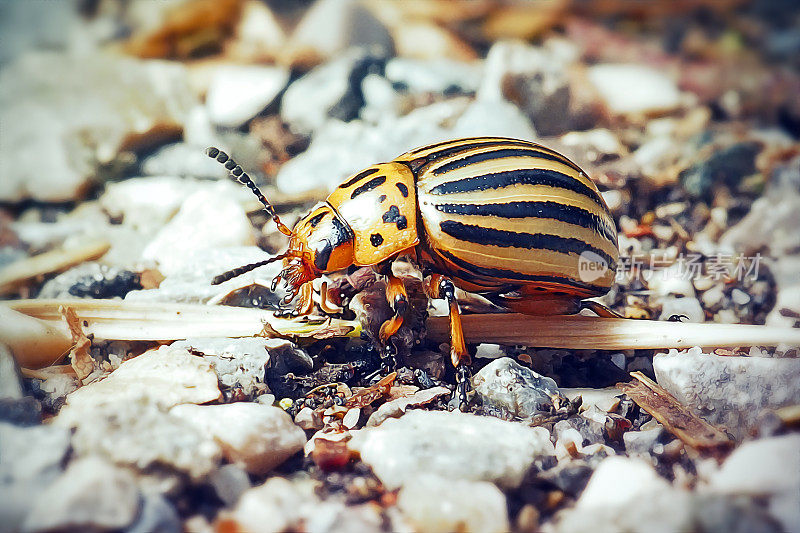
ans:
(238, 271)
(241, 176)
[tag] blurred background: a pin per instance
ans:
(685, 113)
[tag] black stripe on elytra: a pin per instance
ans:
(393, 216)
(500, 153)
(368, 186)
(514, 239)
(316, 218)
(358, 177)
(555, 210)
(525, 176)
(501, 273)
(403, 189)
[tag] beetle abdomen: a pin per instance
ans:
(504, 213)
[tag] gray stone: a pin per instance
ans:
(156, 514)
(81, 111)
(137, 433)
(441, 505)
(452, 445)
(533, 78)
(30, 460)
(507, 385)
(332, 516)
(277, 505)
(237, 362)
(229, 482)
(167, 376)
(255, 436)
(437, 76)
(499, 119)
(91, 494)
(239, 92)
(189, 279)
(183, 159)
(10, 384)
(689, 308)
(30, 25)
(634, 89)
(332, 90)
(339, 149)
(728, 391)
(207, 219)
(331, 27)
(396, 408)
(641, 442)
(91, 280)
(761, 467)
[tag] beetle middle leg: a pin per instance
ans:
(438, 286)
(397, 297)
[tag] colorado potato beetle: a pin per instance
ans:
(509, 219)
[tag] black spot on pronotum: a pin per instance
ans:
(315, 220)
(393, 216)
(403, 189)
(376, 239)
(368, 186)
(382, 198)
(358, 177)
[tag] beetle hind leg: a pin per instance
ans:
(438, 286)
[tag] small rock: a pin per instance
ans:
(436, 504)
(229, 482)
(91, 494)
(91, 280)
(499, 119)
(308, 419)
(339, 149)
(31, 459)
(618, 480)
(761, 467)
(330, 27)
(189, 278)
(239, 92)
(156, 514)
(277, 505)
(452, 445)
(207, 219)
(641, 442)
(534, 79)
(238, 362)
(506, 384)
(634, 89)
(332, 90)
(425, 40)
(740, 297)
(689, 308)
(597, 145)
(728, 391)
(10, 384)
(396, 408)
(728, 165)
(186, 160)
(167, 376)
(332, 516)
(487, 350)
(380, 99)
(712, 298)
(136, 433)
(257, 437)
(435, 76)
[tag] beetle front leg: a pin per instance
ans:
(438, 286)
(398, 299)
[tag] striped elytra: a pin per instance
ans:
(506, 218)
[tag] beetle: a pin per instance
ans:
(506, 218)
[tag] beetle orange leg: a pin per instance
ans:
(398, 298)
(438, 286)
(305, 301)
(324, 303)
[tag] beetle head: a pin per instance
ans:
(321, 242)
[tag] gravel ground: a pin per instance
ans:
(685, 115)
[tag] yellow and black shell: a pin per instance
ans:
(493, 214)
